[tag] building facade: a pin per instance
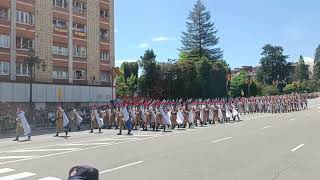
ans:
(74, 38)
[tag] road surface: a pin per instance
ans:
(260, 147)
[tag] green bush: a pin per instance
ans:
(302, 86)
(270, 90)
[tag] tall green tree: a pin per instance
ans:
(301, 71)
(200, 39)
(316, 68)
(274, 64)
(149, 80)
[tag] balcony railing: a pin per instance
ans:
(4, 18)
(60, 29)
(79, 32)
(59, 5)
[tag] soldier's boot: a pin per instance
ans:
(57, 134)
(153, 126)
(29, 138)
(120, 133)
(129, 132)
(164, 128)
(16, 139)
(100, 130)
(91, 131)
(67, 133)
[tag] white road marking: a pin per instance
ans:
(6, 170)
(50, 178)
(16, 157)
(296, 148)
(43, 150)
(265, 127)
(115, 139)
(292, 119)
(17, 176)
(67, 152)
(120, 167)
(87, 144)
(221, 139)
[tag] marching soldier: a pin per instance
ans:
(22, 126)
(96, 121)
(62, 121)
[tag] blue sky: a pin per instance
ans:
(244, 27)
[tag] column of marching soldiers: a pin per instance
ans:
(154, 115)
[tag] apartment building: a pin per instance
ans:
(74, 39)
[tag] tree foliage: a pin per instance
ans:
(303, 86)
(274, 64)
(301, 71)
(149, 80)
(130, 68)
(127, 84)
(200, 39)
(240, 84)
(316, 70)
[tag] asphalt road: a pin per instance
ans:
(260, 147)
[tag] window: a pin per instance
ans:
(80, 7)
(24, 17)
(104, 14)
(60, 25)
(4, 68)
(24, 43)
(105, 77)
(80, 74)
(4, 14)
(80, 51)
(104, 34)
(104, 56)
(4, 41)
(60, 74)
(61, 3)
(60, 50)
(79, 29)
(22, 69)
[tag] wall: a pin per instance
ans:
(19, 92)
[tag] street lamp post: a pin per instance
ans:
(249, 82)
(33, 62)
(170, 74)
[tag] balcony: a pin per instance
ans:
(104, 35)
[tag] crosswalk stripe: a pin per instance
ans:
(50, 178)
(6, 170)
(17, 176)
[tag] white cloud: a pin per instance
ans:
(116, 30)
(160, 39)
(143, 45)
(120, 61)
